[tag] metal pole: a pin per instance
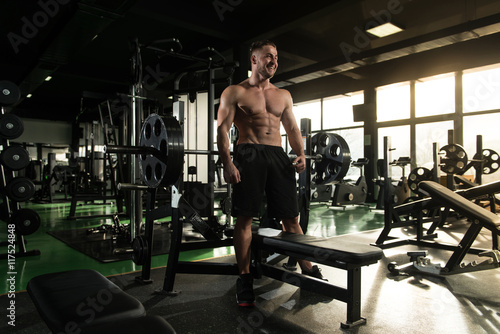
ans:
(211, 118)
(133, 162)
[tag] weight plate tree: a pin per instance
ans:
(165, 135)
(335, 161)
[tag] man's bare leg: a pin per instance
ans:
(242, 239)
(292, 225)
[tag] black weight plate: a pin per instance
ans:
(140, 250)
(20, 189)
(27, 221)
(453, 159)
(165, 135)
(15, 158)
(418, 175)
(335, 158)
(491, 161)
(9, 93)
(11, 126)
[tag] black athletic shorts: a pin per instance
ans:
(265, 170)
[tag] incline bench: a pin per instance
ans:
(333, 252)
(480, 218)
(84, 301)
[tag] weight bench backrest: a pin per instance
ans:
(461, 205)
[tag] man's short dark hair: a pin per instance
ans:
(260, 44)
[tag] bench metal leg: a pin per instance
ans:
(353, 299)
(351, 296)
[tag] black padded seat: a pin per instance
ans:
(318, 249)
(76, 299)
(149, 324)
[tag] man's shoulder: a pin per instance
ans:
(236, 87)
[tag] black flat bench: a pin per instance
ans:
(84, 301)
(333, 252)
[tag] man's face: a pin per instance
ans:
(266, 61)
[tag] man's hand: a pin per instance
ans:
(299, 163)
(231, 174)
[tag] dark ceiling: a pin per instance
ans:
(87, 45)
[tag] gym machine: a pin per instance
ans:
(390, 194)
(453, 160)
(15, 189)
(161, 137)
(435, 206)
(327, 178)
(347, 193)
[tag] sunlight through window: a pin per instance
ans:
(393, 102)
(481, 89)
(435, 95)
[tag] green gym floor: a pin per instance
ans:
(57, 256)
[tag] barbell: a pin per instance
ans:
(161, 153)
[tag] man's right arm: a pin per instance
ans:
(225, 118)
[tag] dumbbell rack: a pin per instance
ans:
(20, 222)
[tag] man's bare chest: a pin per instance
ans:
(258, 103)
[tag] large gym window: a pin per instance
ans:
(485, 125)
(393, 102)
(312, 110)
(435, 95)
(337, 110)
(354, 139)
(426, 135)
(400, 145)
(481, 89)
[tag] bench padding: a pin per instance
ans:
(460, 204)
(318, 249)
(81, 298)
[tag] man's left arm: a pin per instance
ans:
(293, 132)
